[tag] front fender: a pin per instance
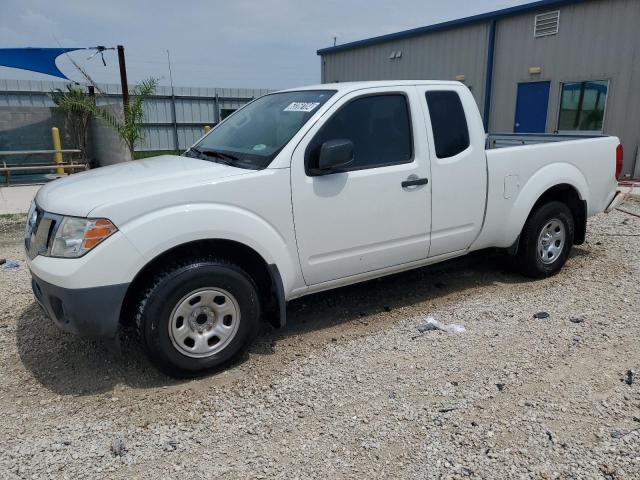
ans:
(161, 230)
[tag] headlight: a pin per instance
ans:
(76, 236)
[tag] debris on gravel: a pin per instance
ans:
(118, 447)
(630, 377)
(431, 323)
(337, 395)
(541, 315)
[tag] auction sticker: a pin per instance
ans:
(301, 106)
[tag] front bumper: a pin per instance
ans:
(88, 312)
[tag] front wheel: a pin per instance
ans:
(197, 315)
(546, 240)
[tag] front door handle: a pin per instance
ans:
(414, 181)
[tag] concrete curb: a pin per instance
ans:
(17, 199)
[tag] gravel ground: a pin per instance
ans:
(351, 388)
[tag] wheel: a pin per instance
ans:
(197, 315)
(546, 240)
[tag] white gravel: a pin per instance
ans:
(351, 388)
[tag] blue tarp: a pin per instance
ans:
(41, 60)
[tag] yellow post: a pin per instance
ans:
(57, 157)
(207, 128)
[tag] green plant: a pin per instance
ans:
(77, 107)
(140, 154)
(130, 126)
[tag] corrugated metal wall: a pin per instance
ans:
(437, 56)
(195, 107)
(597, 40)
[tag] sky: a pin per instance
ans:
(235, 43)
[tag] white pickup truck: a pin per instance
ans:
(300, 191)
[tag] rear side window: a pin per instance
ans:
(379, 127)
(450, 131)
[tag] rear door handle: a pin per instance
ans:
(414, 182)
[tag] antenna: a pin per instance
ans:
(176, 141)
(170, 74)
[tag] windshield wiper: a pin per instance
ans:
(227, 157)
(224, 158)
(193, 152)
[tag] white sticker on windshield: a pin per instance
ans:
(301, 106)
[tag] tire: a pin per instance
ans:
(546, 240)
(197, 315)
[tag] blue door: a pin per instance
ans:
(531, 107)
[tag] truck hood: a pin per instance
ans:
(80, 193)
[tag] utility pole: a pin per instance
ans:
(123, 78)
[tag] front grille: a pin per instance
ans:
(39, 232)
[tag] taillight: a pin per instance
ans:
(619, 159)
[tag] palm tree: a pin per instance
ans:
(130, 126)
(76, 119)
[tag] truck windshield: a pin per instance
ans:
(253, 136)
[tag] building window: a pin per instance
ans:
(448, 123)
(225, 112)
(582, 106)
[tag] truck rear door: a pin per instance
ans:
(458, 166)
(376, 212)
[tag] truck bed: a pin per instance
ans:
(522, 167)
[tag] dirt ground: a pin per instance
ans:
(351, 388)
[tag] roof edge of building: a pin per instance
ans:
(494, 15)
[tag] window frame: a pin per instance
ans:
(311, 172)
(604, 113)
(433, 133)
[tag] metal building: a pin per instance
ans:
(547, 66)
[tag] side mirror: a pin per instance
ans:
(335, 154)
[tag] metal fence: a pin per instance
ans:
(172, 121)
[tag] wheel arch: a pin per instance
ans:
(266, 276)
(557, 181)
(570, 196)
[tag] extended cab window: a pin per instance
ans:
(449, 125)
(379, 127)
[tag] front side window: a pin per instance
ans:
(253, 136)
(582, 105)
(448, 122)
(379, 127)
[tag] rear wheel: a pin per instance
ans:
(546, 240)
(197, 315)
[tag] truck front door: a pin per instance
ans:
(375, 212)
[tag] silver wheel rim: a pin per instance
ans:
(551, 241)
(204, 322)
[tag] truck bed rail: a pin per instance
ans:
(502, 140)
